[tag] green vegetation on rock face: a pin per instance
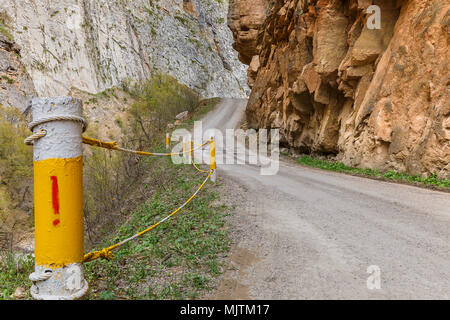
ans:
(389, 175)
(4, 30)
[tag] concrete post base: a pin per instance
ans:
(66, 283)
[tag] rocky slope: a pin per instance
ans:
(93, 45)
(374, 98)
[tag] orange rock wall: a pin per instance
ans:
(374, 98)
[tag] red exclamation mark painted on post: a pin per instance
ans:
(55, 198)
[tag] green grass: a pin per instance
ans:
(390, 175)
(178, 259)
(14, 273)
(183, 20)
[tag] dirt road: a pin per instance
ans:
(312, 234)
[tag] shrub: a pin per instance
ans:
(16, 159)
(159, 100)
(16, 164)
(112, 177)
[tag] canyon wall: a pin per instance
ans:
(373, 98)
(93, 45)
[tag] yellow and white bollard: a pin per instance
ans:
(167, 141)
(212, 154)
(58, 199)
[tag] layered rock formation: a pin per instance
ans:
(93, 45)
(375, 98)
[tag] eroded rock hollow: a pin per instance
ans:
(376, 98)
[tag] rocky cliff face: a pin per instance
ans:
(93, 45)
(374, 98)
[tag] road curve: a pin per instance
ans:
(312, 234)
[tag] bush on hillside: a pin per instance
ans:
(16, 167)
(159, 100)
(110, 177)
